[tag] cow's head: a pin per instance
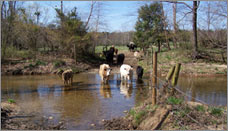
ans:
(129, 70)
(107, 71)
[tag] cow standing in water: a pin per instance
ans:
(139, 72)
(126, 72)
(67, 76)
(104, 73)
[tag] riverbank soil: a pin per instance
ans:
(47, 64)
(13, 118)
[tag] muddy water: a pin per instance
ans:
(88, 102)
(209, 89)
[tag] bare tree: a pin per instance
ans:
(165, 26)
(61, 6)
(194, 20)
(194, 24)
(175, 23)
(90, 14)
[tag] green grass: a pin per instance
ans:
(99, 49)
(215, 111)
(174, 101)
(138, 117)
(200, 108)
(132, 112)
(11, 101)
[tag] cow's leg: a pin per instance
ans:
(71, 82)
(102, 79)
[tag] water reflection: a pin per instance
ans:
(126, 88)
(105, 90)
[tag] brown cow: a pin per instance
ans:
(67, 77)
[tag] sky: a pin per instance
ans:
(116, 15)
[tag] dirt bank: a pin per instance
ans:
(44, 64)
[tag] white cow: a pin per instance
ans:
(126, 72)
(104, 72)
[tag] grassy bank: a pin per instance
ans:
(167, 59)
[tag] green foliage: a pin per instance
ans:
(200, 108)
(58, 63)
(215, 111)
(11, 101)
(149, 27)
(73, 32)
(12, 52)
(174, 100)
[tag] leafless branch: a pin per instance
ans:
(184, 16)
(90, 14)
(180, 3)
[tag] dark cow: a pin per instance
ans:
(120, 59)
(116, 51)
(131, 46)
(139, 72)
(109, 55)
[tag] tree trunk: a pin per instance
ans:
(2, 11)
(75, 55)
(195, 44)
(165, 24)
(175, 24)
(61, 6)
(159, 46)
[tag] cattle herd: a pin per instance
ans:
(126, 71)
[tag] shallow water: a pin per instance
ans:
(88, 101)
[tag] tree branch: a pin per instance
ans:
(90, 14)
(180, 3)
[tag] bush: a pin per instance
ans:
(12, 52)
